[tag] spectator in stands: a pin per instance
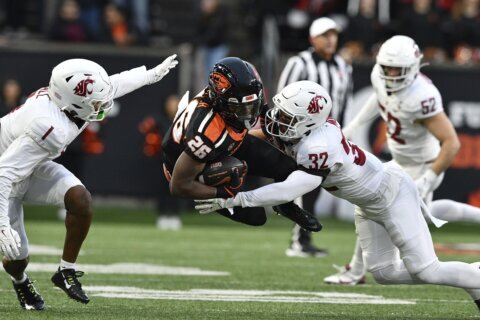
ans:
(211, 38)
(464, 31)
(91, 15)
(423, 22)
(364, 32)
(10, 96)
(137, 12)
(67, 26)
(154, 127)
(116, 28)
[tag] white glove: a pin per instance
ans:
(426, 183)
(9, 242)
(211, 205)
(156, 74)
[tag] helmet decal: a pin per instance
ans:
(220, 83)
(82, 87)
(316, 105)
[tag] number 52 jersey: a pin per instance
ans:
(408, 140)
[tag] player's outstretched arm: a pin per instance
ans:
(297, 184)
(156, 74)
(131, 80)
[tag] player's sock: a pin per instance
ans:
(24, 277)
(454, 211)
(356, 264)
(66, 265)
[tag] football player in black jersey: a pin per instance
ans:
(215, 124)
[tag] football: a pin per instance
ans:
(217, 173)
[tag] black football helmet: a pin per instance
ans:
(236, 91)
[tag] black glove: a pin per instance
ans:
(230, 190)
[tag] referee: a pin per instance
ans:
(320, 64)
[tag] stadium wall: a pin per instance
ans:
(123, 170)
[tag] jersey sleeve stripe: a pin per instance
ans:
(205, 121)
(224, 136)
(47, 133)
(237, 136)
(214, 129)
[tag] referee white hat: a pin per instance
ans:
(322, 25)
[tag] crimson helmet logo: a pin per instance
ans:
(82, 87)
(316, 104)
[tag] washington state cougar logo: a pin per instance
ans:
(220, 82)
(316, 104)
(82, 87)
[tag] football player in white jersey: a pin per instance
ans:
(420, 136)
(80, 91)
(388, 212)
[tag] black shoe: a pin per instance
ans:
(304, 250)
(301, 217)
(66, 280)
(28, 296)
(477, 302)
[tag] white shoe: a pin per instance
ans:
(304, 250)
(345, 277)
(169, 223)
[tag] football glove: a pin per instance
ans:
(211, 205)
(426, 183)
(9, 242)
(156, 74)
(237, 179)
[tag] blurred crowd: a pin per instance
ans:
(444, 29)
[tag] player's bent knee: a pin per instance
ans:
(78, 201)
(430, 274)
(386, 275)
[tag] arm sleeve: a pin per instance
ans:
(367, 113)
(297, 184)
(128, 81)
(16, 164)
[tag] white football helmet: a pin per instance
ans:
(83, 88)
(299, 108)
(400, 52)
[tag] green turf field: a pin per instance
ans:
(217, 269)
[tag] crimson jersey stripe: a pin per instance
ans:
(47, 133)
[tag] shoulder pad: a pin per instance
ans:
(319, 153)
(47, 134)
(424, 98)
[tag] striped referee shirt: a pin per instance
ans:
(334, 75)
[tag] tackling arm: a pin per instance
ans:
(297, 184)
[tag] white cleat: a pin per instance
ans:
(345, 277)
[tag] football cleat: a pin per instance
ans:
(28, 296)
(345, 277)
(66, 280)
(305, 250)
(301, 217)
(477, 302)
